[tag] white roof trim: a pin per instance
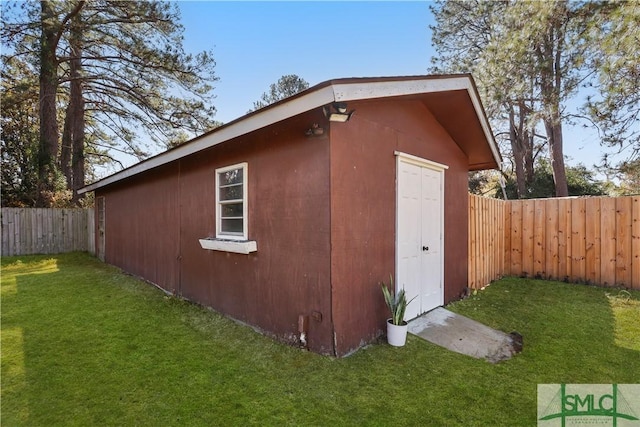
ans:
(262, 119)
(383, 89)
(477, 105)
(335, 92)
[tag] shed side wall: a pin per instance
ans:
(141, 232)
(288, 218)
(155, 221)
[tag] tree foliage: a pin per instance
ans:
(114, 81)
(20, 134)
(615, 104)
(530, 59)
(628, 175)
(464, 38)
(580, 182)
(285, 87)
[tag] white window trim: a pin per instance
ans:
(237, 243)
(235, 246)
(245, 218)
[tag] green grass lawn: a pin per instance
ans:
(84, 344)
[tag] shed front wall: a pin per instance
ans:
(288, 201)
(363, 210)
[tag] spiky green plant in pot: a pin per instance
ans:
(397, 305)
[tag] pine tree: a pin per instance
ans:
(531, 58)
(286, 86)
(120, 69)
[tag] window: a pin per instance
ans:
(231, 202)
(231, 212)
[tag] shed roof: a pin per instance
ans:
(453, 100)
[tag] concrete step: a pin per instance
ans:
(466, 336)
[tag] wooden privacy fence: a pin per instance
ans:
(486, 240)
(46, 231)
(585, 240)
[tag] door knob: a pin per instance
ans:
(425, 248)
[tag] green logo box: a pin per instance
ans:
(563, 405)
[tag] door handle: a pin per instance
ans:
(425, 248)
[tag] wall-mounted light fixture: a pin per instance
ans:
(315, 130)
(337, 112)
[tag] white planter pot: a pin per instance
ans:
(396, 334)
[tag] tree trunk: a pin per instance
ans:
(521, 145)
(553, 127)
(74, 121)
(48, 149)
(518, 155)
(65, 147)
(78, 150)
(529, 172)
(551, 73)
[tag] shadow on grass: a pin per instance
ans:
(626, 310)
(569, 330)
(84, 344)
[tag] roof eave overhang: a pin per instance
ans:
(250, 123)
(483, 166)
(342, 90)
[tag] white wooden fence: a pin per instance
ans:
(28, 231)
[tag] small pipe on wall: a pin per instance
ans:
(303, 322)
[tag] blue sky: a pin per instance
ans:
(255, 43)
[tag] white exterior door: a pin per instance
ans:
(419, 233)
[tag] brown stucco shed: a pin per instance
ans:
(288, 218)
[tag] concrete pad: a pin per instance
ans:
(463, 335)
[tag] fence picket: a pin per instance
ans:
(516, 237)
(539, 239)
(608, 241)
(578, 247)
(593, 247)
(551, 241)
(506, 208)
(563, 239)
(623, 241)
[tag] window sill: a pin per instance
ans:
(236, 246)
